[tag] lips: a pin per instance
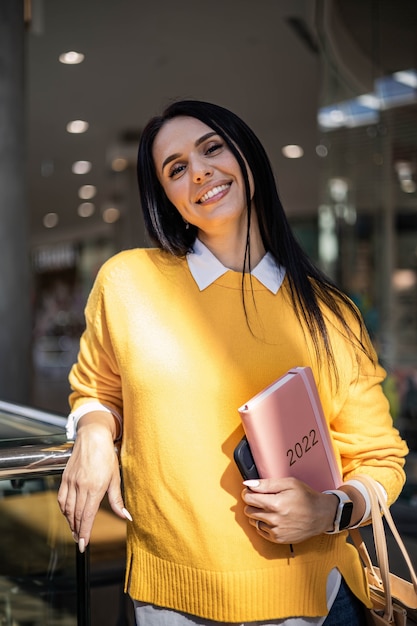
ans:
(214, 191)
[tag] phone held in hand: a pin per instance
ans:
(244, 460)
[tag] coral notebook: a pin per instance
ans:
(288, 434)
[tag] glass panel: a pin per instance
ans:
(38, 582)
(367, 121)
(38, 564)
(37, 571)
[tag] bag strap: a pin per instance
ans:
(373, 486)
(378, 506)
(365, 558)
(380, 546)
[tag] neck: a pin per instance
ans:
(230, 248)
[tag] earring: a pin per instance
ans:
(187, 225)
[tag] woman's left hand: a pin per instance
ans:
(287, 510)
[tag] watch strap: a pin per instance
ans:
(343, 511)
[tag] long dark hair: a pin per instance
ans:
(166, 228)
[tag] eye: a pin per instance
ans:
(175, 170)
(214, 147)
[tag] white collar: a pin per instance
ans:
(206, 268)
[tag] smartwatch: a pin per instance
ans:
(343, 512)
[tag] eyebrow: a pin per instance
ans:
(177, 155)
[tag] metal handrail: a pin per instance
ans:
(33, 456)
(33, 460)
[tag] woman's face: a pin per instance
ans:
(200, 176)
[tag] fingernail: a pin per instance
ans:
(75, 537)
(251, 483)
(127, 514)
(81, 545)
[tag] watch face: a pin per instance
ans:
(346, 515)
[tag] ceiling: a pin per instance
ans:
(261, 59)
(138, 56)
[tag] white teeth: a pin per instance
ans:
(213, 192)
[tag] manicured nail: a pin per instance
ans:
(127, 514)
(75, 537)
(81, 545)
(251, 483)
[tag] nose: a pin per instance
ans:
(201, 170)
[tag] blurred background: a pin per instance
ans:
(330, 88)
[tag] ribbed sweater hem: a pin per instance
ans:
(291, 587)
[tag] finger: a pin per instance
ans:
(271, 485)
(87, 506)
(70, 509)
(62, 496)
(265, 501)
(269, 520)
(262, 498)
(271, 533)
(67, 511)
(251, 499)
(67, 502)
(116, 499)
(261, 526)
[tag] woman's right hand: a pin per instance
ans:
(91, 471)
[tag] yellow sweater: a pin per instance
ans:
(177, 362)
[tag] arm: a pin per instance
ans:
(91, 472)
(359, 414)
(96, 402)
(366, 440)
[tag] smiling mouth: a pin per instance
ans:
(213, 192)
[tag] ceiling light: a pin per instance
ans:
(86, 192)
(404, 279)
(369, 100)
(404, 169)
(390, 91)
(50, 220)
(77, 126)
(81, 167)
(337, 116)
(119, 164)
(408, 185)
(407, 77)
(86, 209)
(292, 151)
(321, 150)
(111, 215)
(71, 58)
(338, 188)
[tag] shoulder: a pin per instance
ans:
(128, 274)
(129, 258)
(138, 271)
(136, 262)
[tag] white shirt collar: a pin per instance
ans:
(206, 268)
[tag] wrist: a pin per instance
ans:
(361, 501)
(94, 409)
(97, 425)
(343, 512)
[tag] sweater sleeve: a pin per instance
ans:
(361, 424)
(95, 376)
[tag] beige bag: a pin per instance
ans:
(394, 599)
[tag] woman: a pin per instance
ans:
(177, 338)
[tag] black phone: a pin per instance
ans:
(244, 460)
